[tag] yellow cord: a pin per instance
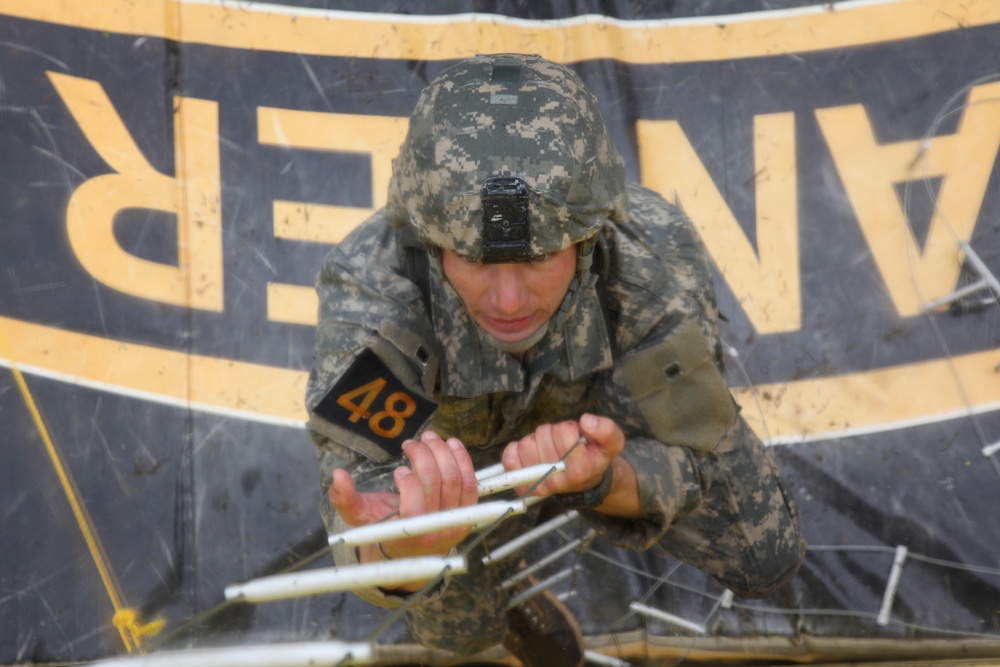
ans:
(131, 630)
(125, 619)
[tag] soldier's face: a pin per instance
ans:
(511, 301)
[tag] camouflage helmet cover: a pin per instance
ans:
(506, 115)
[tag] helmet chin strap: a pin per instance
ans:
(583, 279)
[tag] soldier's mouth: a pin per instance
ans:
(511, 329)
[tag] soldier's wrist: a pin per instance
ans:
(590, 498)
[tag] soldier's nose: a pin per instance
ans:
(507, 289)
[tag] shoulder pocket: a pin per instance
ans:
(681, 394)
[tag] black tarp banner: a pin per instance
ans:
(174, 171)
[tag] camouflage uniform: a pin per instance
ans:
(636, 340)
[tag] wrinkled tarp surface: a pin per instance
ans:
(173, 174)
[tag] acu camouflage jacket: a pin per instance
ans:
(397, 353)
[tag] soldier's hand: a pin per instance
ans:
(440, 477)
(359, 509)
(585, 464)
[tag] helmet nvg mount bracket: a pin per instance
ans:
(506, 222)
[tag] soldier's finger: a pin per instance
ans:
(346, 500)
(411, 493)
(469, 484)
(424, 466)
(545, 444)
(427, 436)
(449, 472)
(527, 450)
(604, 433)
(571, 448)
(565, 436)
(511, 457)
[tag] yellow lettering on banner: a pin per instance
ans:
(274, 27)
(869, 170)
(801, 410)
(377, 136)
(765, 282)
(193, 195)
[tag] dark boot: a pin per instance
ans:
(542, 632)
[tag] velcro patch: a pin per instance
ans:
(369, 401)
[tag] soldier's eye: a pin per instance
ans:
(543, 258)
(470, 260)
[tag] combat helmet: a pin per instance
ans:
(518, 137)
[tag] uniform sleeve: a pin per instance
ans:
(669, 488)
(371, 384)
(668, 395)
(376, 362)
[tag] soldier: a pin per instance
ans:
(515, 297)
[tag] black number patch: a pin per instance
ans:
(370, 401)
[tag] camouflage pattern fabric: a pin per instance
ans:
(509, 115)
(718, 504)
